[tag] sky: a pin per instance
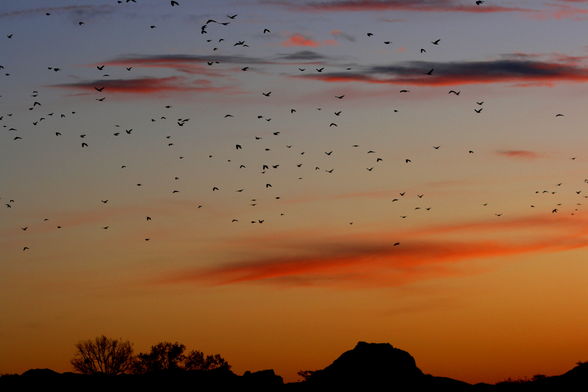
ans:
(276, 180)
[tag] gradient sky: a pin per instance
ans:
(489, 279)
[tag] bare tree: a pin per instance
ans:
(103, 355)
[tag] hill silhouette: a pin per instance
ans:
(368, 366)
(382, 365)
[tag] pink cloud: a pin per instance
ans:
(519, 154)
(301, 40)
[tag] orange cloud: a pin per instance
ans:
(301, 40)
(375, 260)
(519, 154)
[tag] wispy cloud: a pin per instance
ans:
(519, 154)
(210, 65)
(393, 5)
(298, 39)
(342, 34)
(302, 55)
(80, 11)
(556, 9)
(190, 64)
(505, 70)
(146, 85)
(561, 11)
(374, 260)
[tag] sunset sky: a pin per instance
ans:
(308, 186)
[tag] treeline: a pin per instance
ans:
(106, 356)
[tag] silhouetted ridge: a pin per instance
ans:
(40, 373)
(369, 362)
(379, 364)
(367, 367)
(580, 371)
(262, 378)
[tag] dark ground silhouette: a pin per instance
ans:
(367, 367)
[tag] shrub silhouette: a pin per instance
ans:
(166, 358)
(103, 355)
(196, 360)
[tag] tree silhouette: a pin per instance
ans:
(164, 357)
(196, 360)
(103, 355)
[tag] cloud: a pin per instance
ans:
(81, 11)
(304, 55)
(393, 5)
(190, 64)
(209, 65)
(373, 260)
(341, 34)
(505, 70)
(393, 20)
(519, 154)
(145, 85)
(301, 40)
(561, 11)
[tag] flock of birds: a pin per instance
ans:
(37, 104)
